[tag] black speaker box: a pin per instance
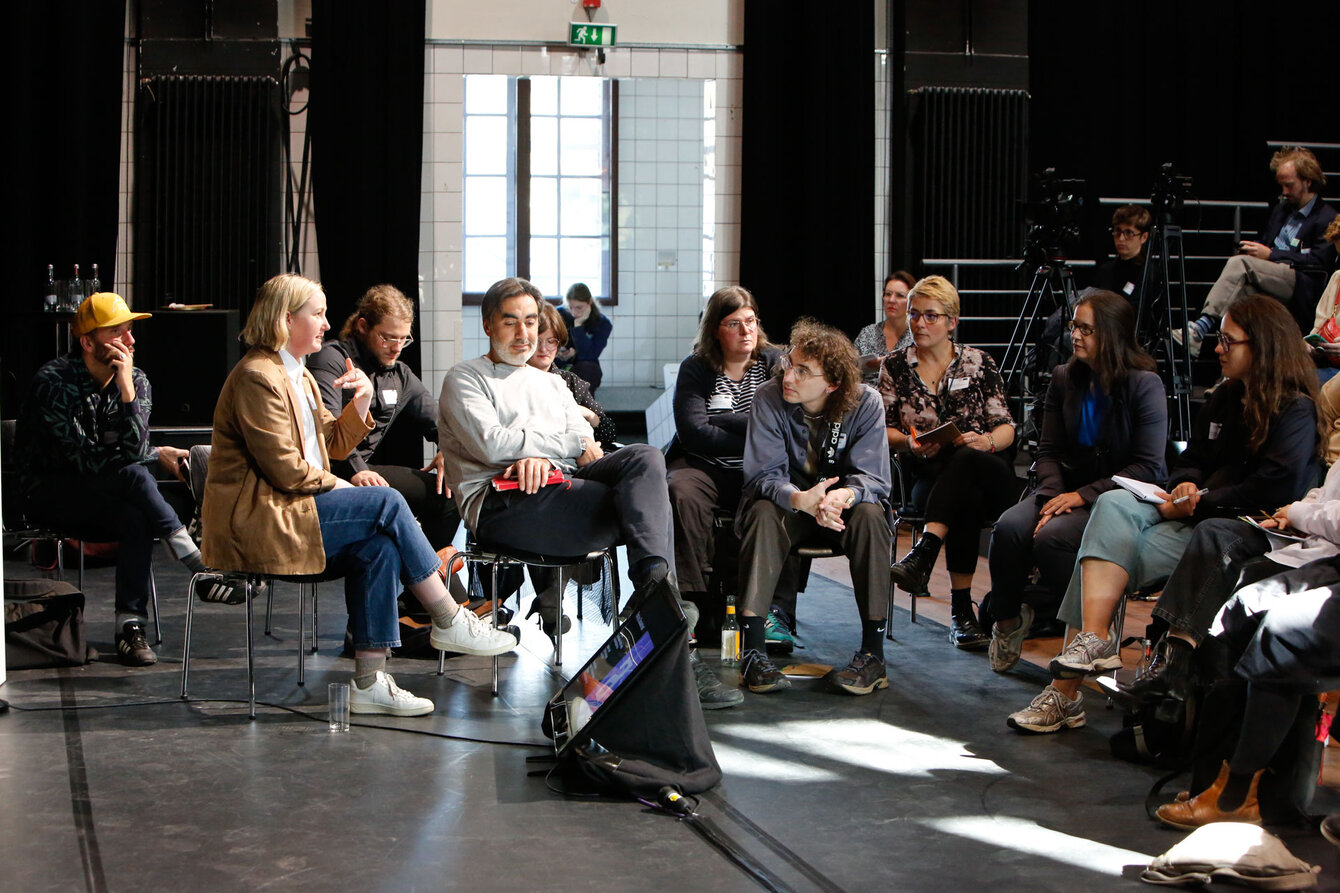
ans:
(187, 354)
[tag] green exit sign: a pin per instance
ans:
(589, 35)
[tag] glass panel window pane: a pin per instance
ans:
(486, 94)
(581, 147)
(543, 146)
(485, 145)
(581, 207)
(579, 260)
(583, 96)
(544, 265)
(544, 95)
(485, 262)
(544, 206)
(486, 206)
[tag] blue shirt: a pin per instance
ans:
(1289, 231)
(1091, 413)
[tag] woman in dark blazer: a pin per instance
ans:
(1105, 413)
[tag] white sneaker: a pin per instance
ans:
(1007, 647)
(384, 696)
(469, 634)
(1049, 712)
(1086, 655)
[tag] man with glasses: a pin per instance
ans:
(1130, 234)
(403, 411)
(503, 420)
(1291, 258)
(816, 468)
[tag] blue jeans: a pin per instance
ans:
(370, 536)
(122, 506)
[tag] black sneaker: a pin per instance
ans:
(865, 674)
(759, 674)
(132, 646)
(966, 634)
(220, 590)
(712, 694)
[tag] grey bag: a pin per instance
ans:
(1232, 851)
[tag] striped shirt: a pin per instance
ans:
(728, 395)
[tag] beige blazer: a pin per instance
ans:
(258, 512)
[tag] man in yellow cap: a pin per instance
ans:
(83, 447)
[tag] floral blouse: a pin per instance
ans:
(971, 393)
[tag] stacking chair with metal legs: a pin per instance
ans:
(250, 582)
(497, 558)
(31, 534)
(905, 514)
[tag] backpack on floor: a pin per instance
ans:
(44, 625)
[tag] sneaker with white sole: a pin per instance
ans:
(469, 634)
(1049, 712)
(1006, 647)
(1197, 339)
(1086, 655)
(385, 697)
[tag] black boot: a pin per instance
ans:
(1168, 674)
(913, 573)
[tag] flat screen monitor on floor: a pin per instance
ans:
(615, 668)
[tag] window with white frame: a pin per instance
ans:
(539, 174)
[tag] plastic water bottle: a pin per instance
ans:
(730, 636)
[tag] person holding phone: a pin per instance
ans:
(964, 484)
(1288, 261)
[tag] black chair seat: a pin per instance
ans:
(487, 551)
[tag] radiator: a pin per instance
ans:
(970, 152)
(208, 203)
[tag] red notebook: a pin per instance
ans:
(555, 477)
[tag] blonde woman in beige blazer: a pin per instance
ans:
(272, 506)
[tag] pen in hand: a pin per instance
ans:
(1181, 499)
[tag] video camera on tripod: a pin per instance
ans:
(1163, 301)
(1169, 194)
(1052, 216)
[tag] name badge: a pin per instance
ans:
(958, 384)
(389, 396)
(1215, 428)
(720, 401)
(1128, 288)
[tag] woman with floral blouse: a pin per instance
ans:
(963, 484)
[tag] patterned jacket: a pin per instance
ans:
(70, 426)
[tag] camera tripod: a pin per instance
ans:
(1162, 298)
(1053, 280)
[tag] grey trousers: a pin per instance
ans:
(1245, 275)
(770, 532)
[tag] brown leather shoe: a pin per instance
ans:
(1203, 808)
(451, 561)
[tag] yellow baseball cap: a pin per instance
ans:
(101, 310)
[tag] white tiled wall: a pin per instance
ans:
(660, 280)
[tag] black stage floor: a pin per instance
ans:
(109, 782)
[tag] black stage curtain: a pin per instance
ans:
(65, 145)
(1119, 89)
(808, 156)
(366, 120)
